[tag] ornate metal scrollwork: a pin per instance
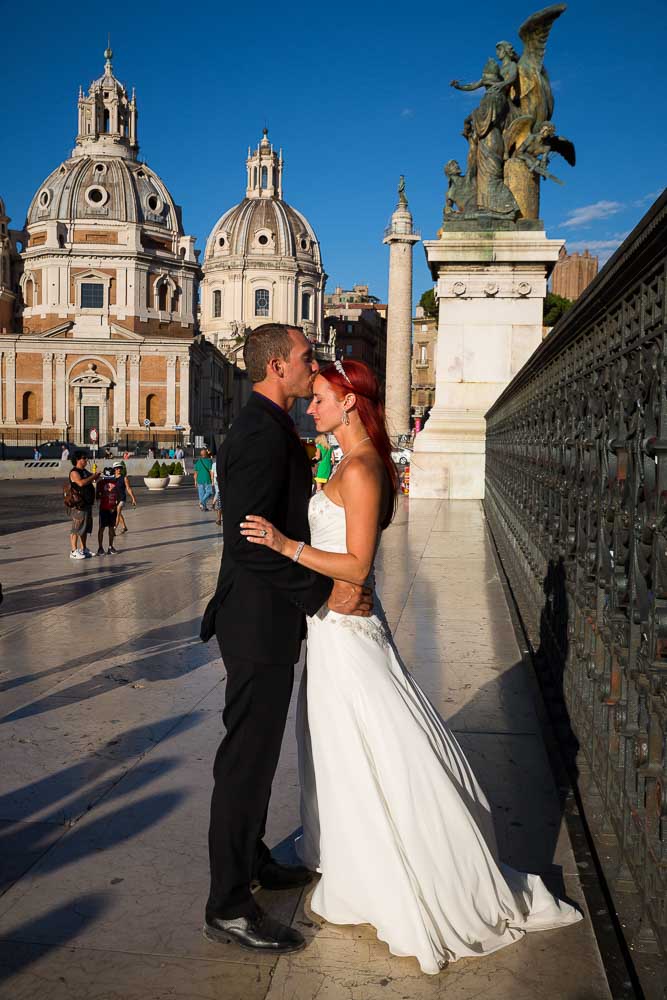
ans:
(576, 497)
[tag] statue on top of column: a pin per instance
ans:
(509, 142)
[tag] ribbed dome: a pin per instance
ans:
(261, 228)
(104, 188)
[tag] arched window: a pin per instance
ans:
(29, 292)
(28, 406)
(107, 121)
(305, 305)
(217, 303)
(265, 178)
(261, 302)
(175, 297)
(162, 296)
(151, 406)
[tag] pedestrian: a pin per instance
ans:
(64, 454)
(37, 455)
(124, 487)
(108, 495)
(83, 483)
(172, 454)
(202, 474)
(179, 455)
(151, 453)
(322, 461)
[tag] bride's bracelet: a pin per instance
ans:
(299, 550)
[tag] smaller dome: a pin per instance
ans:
(264, 228)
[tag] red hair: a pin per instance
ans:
(362, 382)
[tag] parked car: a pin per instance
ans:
(401, 456)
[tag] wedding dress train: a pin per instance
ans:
(393, 815)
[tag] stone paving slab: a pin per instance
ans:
(107, 746)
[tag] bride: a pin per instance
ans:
(393, 816)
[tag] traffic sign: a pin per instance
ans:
(147, 422)
(93, 435)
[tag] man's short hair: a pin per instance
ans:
(268, 341)
(77, 455)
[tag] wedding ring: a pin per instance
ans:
(264, 532)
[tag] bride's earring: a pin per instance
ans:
(345, 417)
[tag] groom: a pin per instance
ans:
(258, 615)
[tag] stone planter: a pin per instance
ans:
(175, 480)
(156, 484)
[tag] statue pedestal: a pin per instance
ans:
(490, 289)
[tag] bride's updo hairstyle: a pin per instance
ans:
(362, 382)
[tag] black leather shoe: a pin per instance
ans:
(273, 875)
(260, 933)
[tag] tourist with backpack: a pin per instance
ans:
(79, 497)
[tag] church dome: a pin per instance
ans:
(266, 228)
(104, 188)
(263, 225)
(262, 260)
(103, 181)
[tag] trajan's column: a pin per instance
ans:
(400, 236)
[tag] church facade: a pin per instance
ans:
(101, 331)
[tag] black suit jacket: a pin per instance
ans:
(261, 597)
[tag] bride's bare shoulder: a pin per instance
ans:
(363, 472)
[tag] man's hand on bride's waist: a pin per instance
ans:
(350, 599)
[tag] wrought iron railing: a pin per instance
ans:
(576, 496)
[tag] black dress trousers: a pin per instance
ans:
(256, 704)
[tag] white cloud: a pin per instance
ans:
(577, 246)
(591, 213)
(648, 199)
(408, 113)
(602, 249)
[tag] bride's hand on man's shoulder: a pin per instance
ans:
(259, 531)
(350, 599)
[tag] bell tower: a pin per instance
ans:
(107, 117)
(265, 170)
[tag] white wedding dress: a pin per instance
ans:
(392, 814)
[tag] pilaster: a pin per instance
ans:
(120, 392)
(170, 416)
(184, 415)
(134, 390)
(61, 391)
(47, 389)
(10, 377)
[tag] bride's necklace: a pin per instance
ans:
(349, 452)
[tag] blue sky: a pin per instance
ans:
(356, 94)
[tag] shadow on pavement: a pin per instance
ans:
(59, 925)
(38, 597)
(162, 653)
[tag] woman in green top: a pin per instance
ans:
(322, 461)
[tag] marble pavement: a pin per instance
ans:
(110, 718)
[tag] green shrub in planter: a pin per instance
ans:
(177, 469)
(164, 471)
(154, 471)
